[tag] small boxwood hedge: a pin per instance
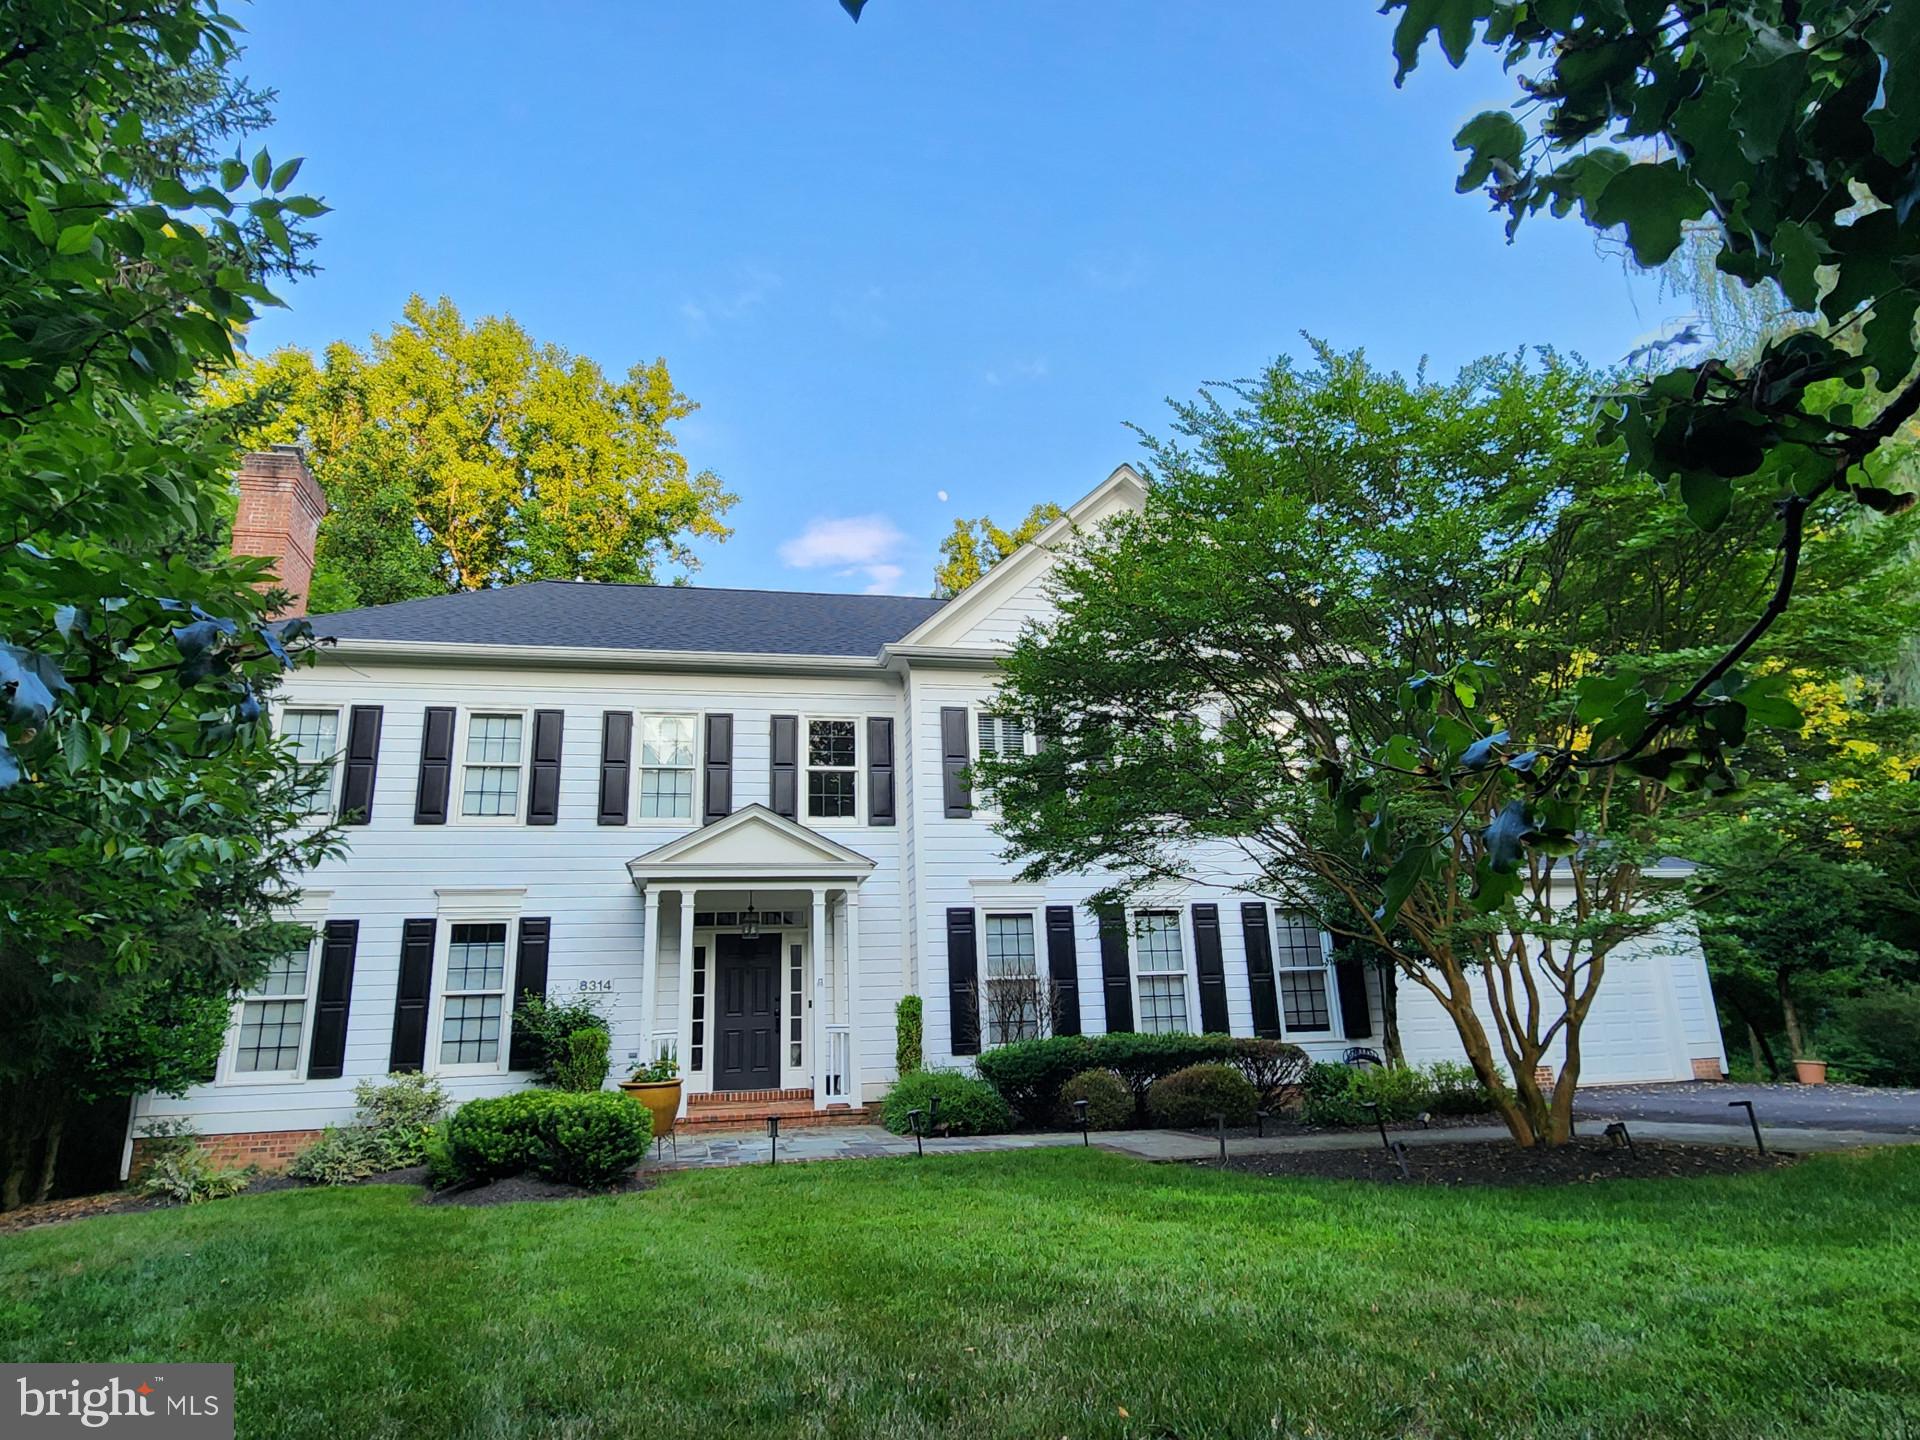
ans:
(578, 1139)
(1109, 1100)
(967, 1106)
(1191, 1098)
(1339, 1094)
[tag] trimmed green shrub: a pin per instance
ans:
(1109, 1100)
(1190, 1098)
(1142, 1060)
(1337, 1094)
(909, 1044)
(594, 1140)
(1272, 1067)
(389, 1132)
(572, 1138)
(582, 1059)
(499, 1136)
(967, 1106)
(441, 1171)
(543, 1028)
(1453, 1089)
(1029, 1073)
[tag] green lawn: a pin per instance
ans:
(1035, 1293)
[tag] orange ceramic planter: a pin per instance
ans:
(662, 1099)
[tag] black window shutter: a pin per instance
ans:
(436, 767)
(543, 794)
(616, 765)
(1352, 978)
(963, 981)
(718, 801)
(363, 759)
(1210, 969)
(1063, 968)
(783, 782)
(879, 770)
(953, 762)
(1116, 979)
(327, 1058)
(529, 978)
(1259, 938)
(409, 1050)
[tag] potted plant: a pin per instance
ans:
(656, 1085)
(1809, 1071)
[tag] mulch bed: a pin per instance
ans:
(80, 1207)
(1500, 1164)
(516, 1188)
(1288, 1125)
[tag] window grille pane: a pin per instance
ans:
(796, 1009)
(666, 740)
(315, 734)
(493, 740)
(1304, 995)
(470, 1030)
(477, 957)
(830, 793)
(490, 790)
(666, 794)
(270, 1035)
(830, 742)
(1159, 943)
(1296, 940)
(1010, 945)
(285, 976)
(1163, 1004)
(989, 733)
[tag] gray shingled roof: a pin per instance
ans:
(641, 617)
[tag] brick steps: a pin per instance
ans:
(736, 1110)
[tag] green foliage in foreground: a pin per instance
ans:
(591, 1140)
(1040, 1293)
(967, 1106)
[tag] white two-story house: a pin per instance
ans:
(738, 821)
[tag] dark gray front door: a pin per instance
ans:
(746, 1028)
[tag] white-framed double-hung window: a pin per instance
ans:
(833, 775)
(314, 733)
(666, 767)
(1302, 971)
(999, 735)
(269, 1040)
(1160, 972)
(473, 997)
(1017, 1000)
(493, 758)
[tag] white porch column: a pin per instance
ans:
(649, 971)
(818, 950)
(683, 1050)
(852, 912)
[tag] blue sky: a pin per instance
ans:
(925, 266)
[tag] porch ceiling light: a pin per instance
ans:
(749, 919)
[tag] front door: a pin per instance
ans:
(746, 1035)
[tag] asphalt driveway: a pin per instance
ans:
(1812, 1107)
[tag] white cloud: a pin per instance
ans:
(851, 546)
(942, 495)
(1034, 369)
(754, 283)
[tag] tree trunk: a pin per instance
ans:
(50, 1152)
(1390, 1012)
(1760, 1065)
(1796, 1042)
(1521, 1105)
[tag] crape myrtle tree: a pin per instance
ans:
(1344, 588)
(458, 454)
(147, 815)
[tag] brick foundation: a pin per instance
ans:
(269, 1150)
(1707, 1067)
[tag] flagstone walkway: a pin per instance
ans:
(709, 1149)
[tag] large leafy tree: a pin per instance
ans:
(459, 455)
(144, 806)
(1345, 587)
(974, 547)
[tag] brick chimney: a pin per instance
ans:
(279, 517)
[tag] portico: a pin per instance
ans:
(750, 962)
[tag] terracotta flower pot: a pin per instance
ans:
(1810, 1072)
(662, 1099)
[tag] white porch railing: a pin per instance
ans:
(665, 1042)
(834, 1088)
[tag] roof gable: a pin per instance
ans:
(751, 843)
(989, 613)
